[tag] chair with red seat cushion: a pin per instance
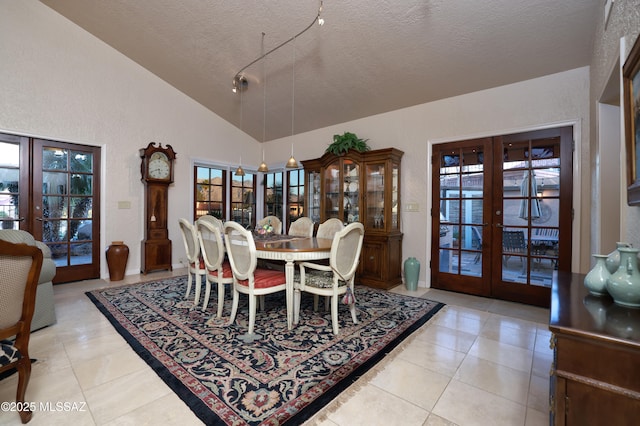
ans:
(217, 268)
(196, 264)
(335, 279)
(20, 265)
(247, 278)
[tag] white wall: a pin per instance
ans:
(61, 83)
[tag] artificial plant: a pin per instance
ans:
(346, 141)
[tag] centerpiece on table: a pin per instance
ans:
(264, 231)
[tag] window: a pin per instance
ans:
(273, 194)
(243, 202)
(210, 191)
(295, 200)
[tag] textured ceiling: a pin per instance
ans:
(369, 57)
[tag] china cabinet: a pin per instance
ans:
(362, 187)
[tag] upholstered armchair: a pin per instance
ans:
(45, 313)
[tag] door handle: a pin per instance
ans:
(39, 219)
(484, 225)
(499, 225)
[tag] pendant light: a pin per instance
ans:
(240, 170)
(263, 166)
(292, 163)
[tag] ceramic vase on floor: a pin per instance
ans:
(596, 279)
(411, 273)
(624, 284)
(117, 255)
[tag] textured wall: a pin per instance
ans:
(623, 22)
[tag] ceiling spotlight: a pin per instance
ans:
(240, 83)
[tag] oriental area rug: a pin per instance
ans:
(284, 376)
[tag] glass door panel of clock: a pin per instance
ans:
(375, 196)
(351, 187)
(333, 191)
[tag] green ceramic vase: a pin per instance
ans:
(596, 279)
(411, 273)
(624, 284)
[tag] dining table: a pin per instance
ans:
(290, 250)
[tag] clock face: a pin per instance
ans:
(159, 167)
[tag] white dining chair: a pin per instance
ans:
(335, 279)
(329, 227)
(302, 227)
(218, 270)
(212, 220)
(275, 222)
(196, 265)
(247, 277)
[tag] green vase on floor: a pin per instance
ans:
(411, 273)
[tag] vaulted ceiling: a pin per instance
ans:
(369, 57)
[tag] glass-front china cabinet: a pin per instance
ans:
(362, 187)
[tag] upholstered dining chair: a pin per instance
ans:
(335, 279)
(275, 222)
(329, 227)
(217, 268)
(196, 264)
(247, 278)
(20, 265)
(212, 220)
(302, 227)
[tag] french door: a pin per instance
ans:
(51, 189)
(502, 215)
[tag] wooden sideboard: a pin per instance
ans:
(595, 376)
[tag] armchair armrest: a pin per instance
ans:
(46, 251)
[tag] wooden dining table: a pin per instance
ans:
(291, 250)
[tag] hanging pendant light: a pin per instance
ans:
(292, 163)
(240, 170)
(263, 166)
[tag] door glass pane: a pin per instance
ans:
(81, 162)
(514, 255)
(54, 159)
(9, 190)
(81, 184)
(67, 205)
(531, 185)
(461, 211)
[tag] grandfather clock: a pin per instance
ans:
(157, 175)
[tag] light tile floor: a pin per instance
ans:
(478, 362)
